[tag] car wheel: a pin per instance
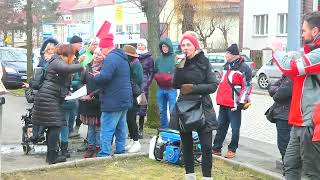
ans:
(263, 81)
(218, 76)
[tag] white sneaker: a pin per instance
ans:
(191, 176)
(136, 147)
(129, 144)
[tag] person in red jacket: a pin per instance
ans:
(232, 95)
(302, 157)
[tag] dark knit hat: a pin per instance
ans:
(45, 43)
(75, 39)
(233, 49)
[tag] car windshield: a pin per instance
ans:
(12, 56)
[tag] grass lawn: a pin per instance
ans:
(134, 168)
(17, 92)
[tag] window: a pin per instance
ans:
(137, 28)
(282, 24)
(129, 28)
(119, 28)
(261, 24)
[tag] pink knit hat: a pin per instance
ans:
(192, 39)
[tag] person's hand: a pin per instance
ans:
(85, 98)
(180, 60)
(186, 89)
(25, 85)
(82, 58)
(95, 73)
(277, 45)
(239, 107)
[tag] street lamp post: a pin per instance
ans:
(294, 24)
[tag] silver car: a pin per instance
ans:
(268, 74)
(217, 60)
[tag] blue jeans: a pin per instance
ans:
(93, 135)
(73, 116)
(113, 124)
(164, 97)
(69, 115)
(226, 117)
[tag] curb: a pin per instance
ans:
(274, 175)
(260, 92)
(75, 163)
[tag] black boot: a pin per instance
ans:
(53, 157)
(141, 123)
(64, 150)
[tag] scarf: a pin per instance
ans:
(312, 46)
(142, 52)
(96, 65)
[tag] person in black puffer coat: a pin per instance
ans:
(48, 101)
(194, 77)
(281, 92)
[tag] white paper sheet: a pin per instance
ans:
(77, 94)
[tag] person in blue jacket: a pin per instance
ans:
(115, 96)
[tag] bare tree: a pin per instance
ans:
(29, 38)
(224, 25)
(204, 30)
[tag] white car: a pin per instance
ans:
(268, 74)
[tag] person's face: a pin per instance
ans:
(98, 56)
(165, 49)
(309, 33)
(141, 47)
(188, 48)
(106, 51)
(78, 46)
(92, 46)
(50, 50)
(230, 57)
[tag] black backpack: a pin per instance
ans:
(39, 74)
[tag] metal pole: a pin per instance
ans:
(294, 25)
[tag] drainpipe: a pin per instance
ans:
(294, 25)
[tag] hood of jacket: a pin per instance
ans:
(118, 52)
(168, 43)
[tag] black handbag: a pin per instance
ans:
(269, 114)
(190, 114)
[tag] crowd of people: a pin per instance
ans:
(115, 78)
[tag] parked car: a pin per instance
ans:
(268, 74)
(217, 60)
(14, 66)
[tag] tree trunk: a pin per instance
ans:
(225, 37)
(5, 36)
(38, 34)
(29, 39)
(204, 41)
(12, 38)
(188, 16)
(152, 14)
(153, 27)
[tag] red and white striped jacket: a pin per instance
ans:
(235, 86)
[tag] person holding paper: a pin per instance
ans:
(89, 106)
(48, 101)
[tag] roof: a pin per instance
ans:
(226, 1)
(66, 5)
(88, 4)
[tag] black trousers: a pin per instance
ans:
(187, 147)
(53, 138)
(131, 121)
